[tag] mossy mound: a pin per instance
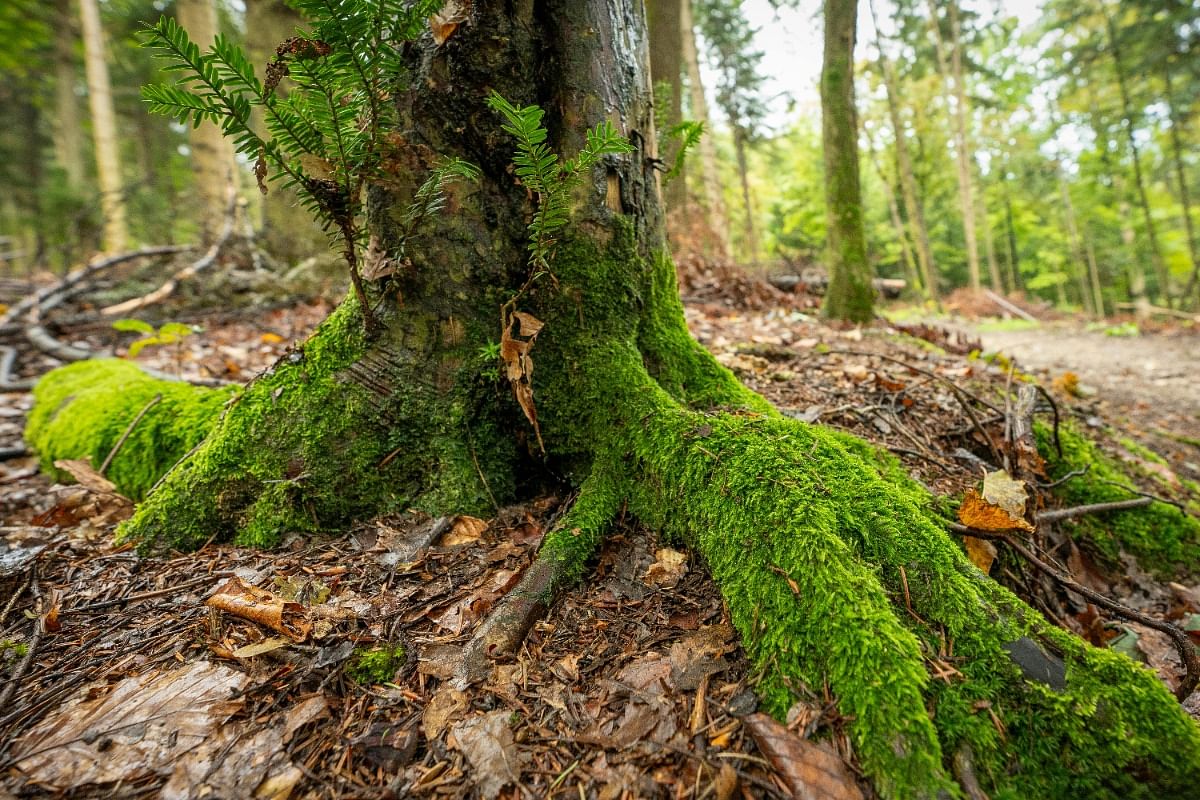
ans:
(1164, 540)
(81, 410)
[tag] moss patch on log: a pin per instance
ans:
(376, 665)
(81, 410)
(1164, 539)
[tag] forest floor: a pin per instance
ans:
(121, 679)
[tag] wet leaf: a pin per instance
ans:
(139, 728)
(811, 771)
(518, 365)
(487, 742)
(1001, 490)
(982, 553)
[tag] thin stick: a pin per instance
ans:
(129, 430)
(1180, 638)
(1056, 514)
(116, 601)
(39, 630)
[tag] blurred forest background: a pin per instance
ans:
(1046, 149)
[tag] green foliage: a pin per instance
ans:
(546, 176)
(683, 137)
(326, 137)
(169, 333)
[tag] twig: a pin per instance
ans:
(117, 601)
(1151, 495)
(35, 640)
(1056, 514)
(1180, 638)
(1054, 408)
(83, 273)
(1075, 473)
(128, 430)
(12, 601)
(167, 289)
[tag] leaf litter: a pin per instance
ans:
(632, 686)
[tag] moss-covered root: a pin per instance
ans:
(838, 574)
(561, 562)
(1164, 539)
(81, 410)
(317, 441)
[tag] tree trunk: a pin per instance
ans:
(749, 229)
(850, 295)
(666, 70)
(889, 195)
(952, 72)
(1077, 257)
(908, 181)
(1181, 175)
(716, 222)
(1160, 267)
(68, 132)
(1014, 265)
(104, 128)
(214, 170)
(1093, 275)
(1137, 270)
(289, 233)
(835, 567)
(989, 246)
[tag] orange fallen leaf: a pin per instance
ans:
(270, 338)
(518, 366)
(445, 22)
(982, 553)
(975, 512)
(466, 530)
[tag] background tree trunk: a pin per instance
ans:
(749, 229)
(68, 132)
(952, 75)
(716, 221)
(289, 233)
(104, 128)
(666, 68)
(850, 294)
(214, 169)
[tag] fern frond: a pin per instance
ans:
(688, 133)
(430, 198)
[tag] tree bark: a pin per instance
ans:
(889, 195)
(214, 169)
(952, 73)
(1185, 201)
(835, 567)
(104, 128)
(850, 295)
(716, 221)
(1078, 256)
(666, 67)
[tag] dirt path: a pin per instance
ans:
(1151, 373)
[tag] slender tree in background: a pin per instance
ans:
(104, 128)
(739, 92)
(904, 168)
(68, 132)
(715, 222)
(289, 232)
(665, 18)
(1185, 201)
(214, 168)
(951, 69)
(850, 295)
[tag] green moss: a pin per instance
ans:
(1165, 540)
(81, 410)
(12, 650)
(1144, 453)
(369, 666)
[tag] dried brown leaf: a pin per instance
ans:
(85, 474)
(668, 568)
(446, 706)
(258, 605)
(518, 365)
(982, 553)
(445, 22)
(811, 771)
(487, 742)
(1000, 489)
(465, 530)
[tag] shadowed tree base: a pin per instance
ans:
(836, 571)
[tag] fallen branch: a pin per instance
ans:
(1009, 307)
(72, 279)
(192, 270)
(1178, 636)
(35, 640)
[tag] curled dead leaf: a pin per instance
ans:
(258, 605)
(668, 567)
(445, 22)
(465, 530)
(1000, 489)
(518, 366)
